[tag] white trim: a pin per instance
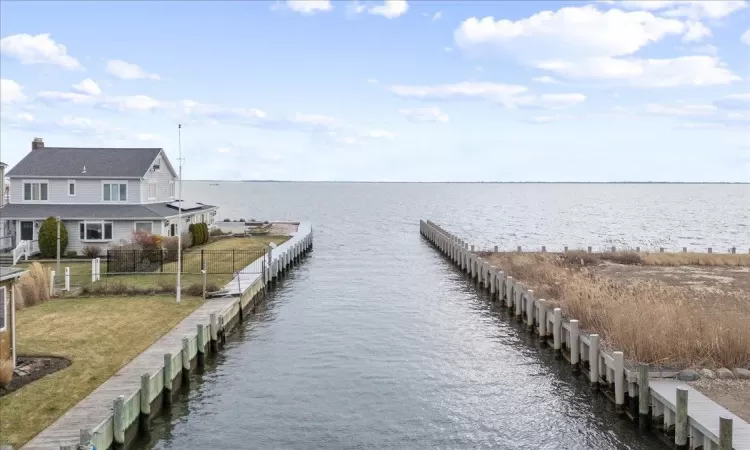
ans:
(136, 222)
(4, 325)
(34, 181)
(98, 222)
(117, 182)
(172, 188)
(75, 188)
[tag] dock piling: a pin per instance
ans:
(644, 397)
(118, 421)
(167, 379)
(213, 328)
(725, 433)
(574, 345)
(681, 420)
(145, 393)
(594, 359)
(557, 329)
(619, 374)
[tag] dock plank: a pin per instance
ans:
(703, 413)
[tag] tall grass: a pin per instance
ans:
(33, 286)
(649, 321)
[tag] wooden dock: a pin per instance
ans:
(703, 415)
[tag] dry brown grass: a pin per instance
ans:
(694, 259)
(648, 320)
(630, 257)
(33, 286)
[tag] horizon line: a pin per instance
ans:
(470, 182)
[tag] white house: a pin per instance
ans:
(102, 195)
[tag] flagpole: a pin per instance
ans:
(179, 217)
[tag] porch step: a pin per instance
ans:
(6, 259)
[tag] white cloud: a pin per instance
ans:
(390, 9)
(698, 9)
(373, 81)
(417, 115)
(88, 87)
(572, 31)
(550, 101)
(128, 71)
(585, 42)
(448, 49)
(545, 80)
(67, 97)
(734, 101)
(508, 95)
(118, 103)
(681, 110)
(681, 71)
(37, 49)
(745, 38)
(309, 7)
(133, 102)
(696, 31)
(540, 120)
(469, 90)
(380, 134)
(11, 92)
(437, 16)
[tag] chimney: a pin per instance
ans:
(37, 143)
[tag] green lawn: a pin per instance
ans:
(99, 336)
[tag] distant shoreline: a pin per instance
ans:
(478, 182)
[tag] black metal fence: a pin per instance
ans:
(165, 261)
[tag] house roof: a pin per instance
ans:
(38, 211)
(8, 273)
(99, 162)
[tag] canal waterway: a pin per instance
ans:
(377, 342)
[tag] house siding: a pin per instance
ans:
(87, 191)
(162, 178)
(122, 230)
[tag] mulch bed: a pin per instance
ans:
(31, 368)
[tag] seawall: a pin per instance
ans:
(688, 418)
(121, 407)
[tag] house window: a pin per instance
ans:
(3, 308)
(171, 189)
(115, 192)
(151, 190)
(71, 188)
(146, 227)
(95, 231)
(35, 191)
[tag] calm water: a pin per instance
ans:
(377, 342)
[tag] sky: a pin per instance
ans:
(388, 90)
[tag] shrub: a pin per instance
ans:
(92, 251)
(216, 232)
(196, 289)
(191, 230)
(48, 238)
(227, 220)
(630, 258)
(206, 234)
(580, 258)
(71, 254)
(34, 285)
